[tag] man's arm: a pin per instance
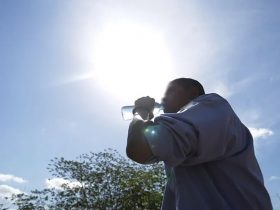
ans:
(137, 147)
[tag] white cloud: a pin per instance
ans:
(58, 182)
(274, 178)
(260, 132)
(10, 177)
(7, 191)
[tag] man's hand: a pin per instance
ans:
(144, 107)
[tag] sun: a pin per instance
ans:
(131, 60)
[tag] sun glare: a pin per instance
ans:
(131, 60)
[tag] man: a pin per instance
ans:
(208, 153)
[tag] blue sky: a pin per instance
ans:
(66, 68)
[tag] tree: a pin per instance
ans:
(103, 180)
(2, 207)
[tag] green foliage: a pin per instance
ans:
(106, 180)
(3, 207)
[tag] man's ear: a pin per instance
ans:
(194, 92)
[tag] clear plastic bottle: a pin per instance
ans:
(128, 115)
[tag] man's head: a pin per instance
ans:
(180, 92)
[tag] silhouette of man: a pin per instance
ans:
(207, 151)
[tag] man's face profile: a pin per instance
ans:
(175, 98)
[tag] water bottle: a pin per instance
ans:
(127, 113)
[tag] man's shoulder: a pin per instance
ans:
(198, 107)
(210, 97)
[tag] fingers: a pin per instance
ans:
(144, 106)
(145, 102)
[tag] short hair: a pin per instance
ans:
(188, 83)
